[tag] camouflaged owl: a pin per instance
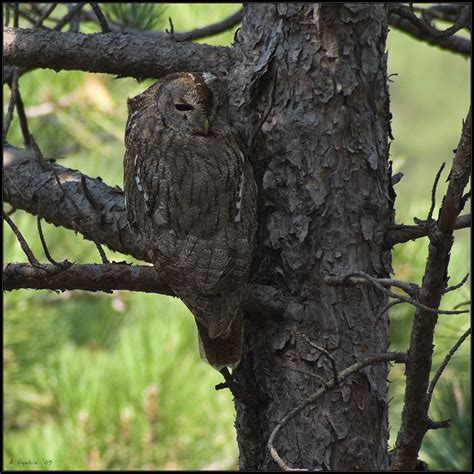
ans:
(191, 196)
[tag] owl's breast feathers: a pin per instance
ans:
(193, 199)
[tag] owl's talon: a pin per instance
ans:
(234, 388)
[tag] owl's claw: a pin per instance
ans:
(234, 387)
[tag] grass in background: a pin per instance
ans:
(94, 381)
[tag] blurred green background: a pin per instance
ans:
(95, 381)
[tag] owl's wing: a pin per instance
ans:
(195, 205)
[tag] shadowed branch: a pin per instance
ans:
(122, 54)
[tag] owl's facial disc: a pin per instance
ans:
(189, 117)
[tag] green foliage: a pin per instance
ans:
(97, 381)
(450, 449)
(139, 399)
(138, 16)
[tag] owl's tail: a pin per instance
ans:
(219, 352)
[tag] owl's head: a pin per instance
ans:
(185, 102)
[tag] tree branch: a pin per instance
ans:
(58, 195)
(88, 277)
(401, 18)
(212, 29)
(198, 33)
(121, 54)
(444, 365)
(97, 211)
(108, 277)
(400, 233)
(415, 421)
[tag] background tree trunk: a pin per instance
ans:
(325, 204)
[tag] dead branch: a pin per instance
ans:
(108, 277)
(22, 241)
(101, 18)
(400, 233)
(398, 357)
(122, 54)
(198, 33)
(382, 284)
(415, 421)
(69, 16)
(88, 277)
(212, 29)
(402, 18)
(63, 264)
(441, 368)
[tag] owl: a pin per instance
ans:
(191, 196)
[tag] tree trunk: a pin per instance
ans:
(325, 203)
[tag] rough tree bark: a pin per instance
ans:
(325, 205)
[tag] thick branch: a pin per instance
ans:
(58, 195)
(415, 421)
(121, 54)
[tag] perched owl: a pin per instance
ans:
(191, 195)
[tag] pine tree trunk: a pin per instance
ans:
(324, 206)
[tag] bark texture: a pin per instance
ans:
(324, 210)
(325, 205)
(136, 55)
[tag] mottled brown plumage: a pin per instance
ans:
(191, 196)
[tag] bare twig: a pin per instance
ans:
(16, 101)
(445, 12)
(65, 263)
(198, 33)
(463, 303)
(22, 241)
(400, 233)
(454, 44)
(101, 252)
(16, 14)
(398, 357)
(45, 15)
(381, 284)
(455, 287)
(386, 307)
(69, 16)
(11, 105)
(433, 193)
(441, 368)
(7, 14)
(20, 108)
(171, 30)
(211, 30)
(100, 16)
(428, 30)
